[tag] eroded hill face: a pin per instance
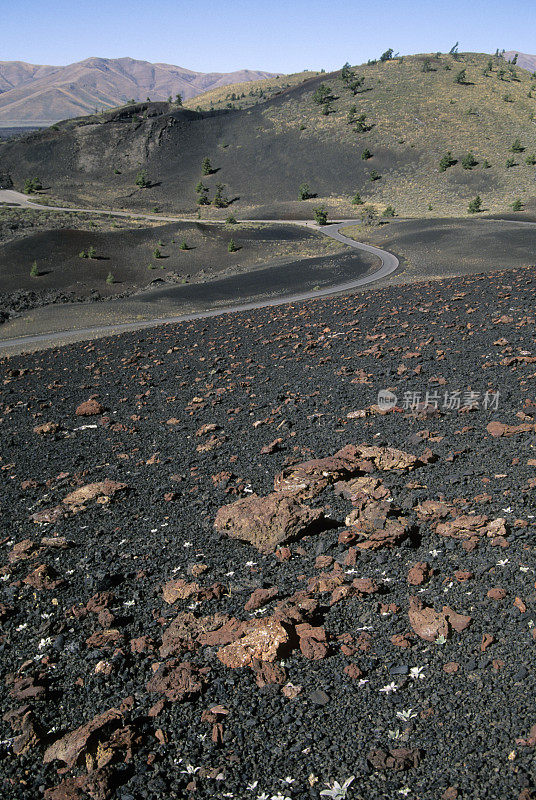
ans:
(383, 138)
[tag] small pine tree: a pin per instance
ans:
(82, 254)
(178, 99)
(231, 220)
(157, 253)
(321, 216)
(475, 205)
(356, 200)
(91, 252)
(461, 77)
(511, 162)
(366, 154)
(110, 279)
(361, 124)
(231, 247)
(219, 200)
(322, 94)
(304, 192)
(206, 166)
(446, 162)
(374, 176)
(517, 147)
(517, 205)
(34, 271)
(531, 160)
(469, 161)
(183, 245)
(388, 212)
(141, 179)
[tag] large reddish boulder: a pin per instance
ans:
(266, 522)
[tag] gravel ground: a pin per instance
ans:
(398, 647)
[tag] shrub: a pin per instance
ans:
(91, 252)
(531, 160)
(304, 192)
(517, 205)
(82, 254)
(34, 271)
(183, 245)
(389, 212)
(321, 216)
(356, 200)
(231, 220)
(374, 176)
(110, 279)
(517, 147)
(475, 205)
(469, 161)
(511, 162)
(231, 247)
(151, 266)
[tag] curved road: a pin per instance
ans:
(389, 263)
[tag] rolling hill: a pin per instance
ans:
(41, 95)
(524, 60)
(384, 138)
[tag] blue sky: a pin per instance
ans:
(272, 35)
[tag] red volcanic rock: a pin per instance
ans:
(89, 408)
(427, 623)
(72, 746)
(261, 640)
(419, 573)
(260, 597)
(266, 522)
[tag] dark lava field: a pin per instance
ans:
(227, 572)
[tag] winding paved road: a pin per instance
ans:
(389, 263)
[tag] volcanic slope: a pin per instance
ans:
(385, 141)
(382, 630)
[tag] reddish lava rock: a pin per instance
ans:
(266, 522)
(496, 593)
(89, 408)
(260, 640)
(419, 573)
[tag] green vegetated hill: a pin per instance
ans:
(383, 130)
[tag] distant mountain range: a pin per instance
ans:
(524, 60)
(33, 94)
